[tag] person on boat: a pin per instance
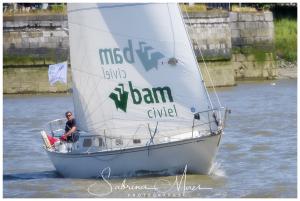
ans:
(70, 129)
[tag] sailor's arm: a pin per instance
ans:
(73, 129)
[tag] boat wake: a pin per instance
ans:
(217, 171)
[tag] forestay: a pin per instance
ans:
(133, 66)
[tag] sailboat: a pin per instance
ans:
(140, 101)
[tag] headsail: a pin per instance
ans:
(133, 66)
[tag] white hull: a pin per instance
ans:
(197, 153)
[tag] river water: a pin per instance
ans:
(257, 157)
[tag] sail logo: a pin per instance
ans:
(120, 97)
(139, 96)
(146, 53)
(149, 59)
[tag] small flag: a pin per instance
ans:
(58, 72)
(52, 140)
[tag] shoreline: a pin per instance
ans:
(283, 74)
(286, 69)
(287, 73)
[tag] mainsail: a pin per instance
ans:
(133, 68)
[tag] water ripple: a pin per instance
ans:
(31, 175)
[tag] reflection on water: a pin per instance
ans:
(257, 157)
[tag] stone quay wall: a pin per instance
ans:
(26, 80)
(252, 29)
(252, 37)
(42, 39)
(235, 46)
(210, 31)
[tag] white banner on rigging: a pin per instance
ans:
(58, 73)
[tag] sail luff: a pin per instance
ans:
(203, 85)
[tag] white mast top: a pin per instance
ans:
(133, 66)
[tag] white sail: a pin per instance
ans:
(133, 67)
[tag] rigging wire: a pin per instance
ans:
(172, 29)
(196, 62)
(198, 46)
